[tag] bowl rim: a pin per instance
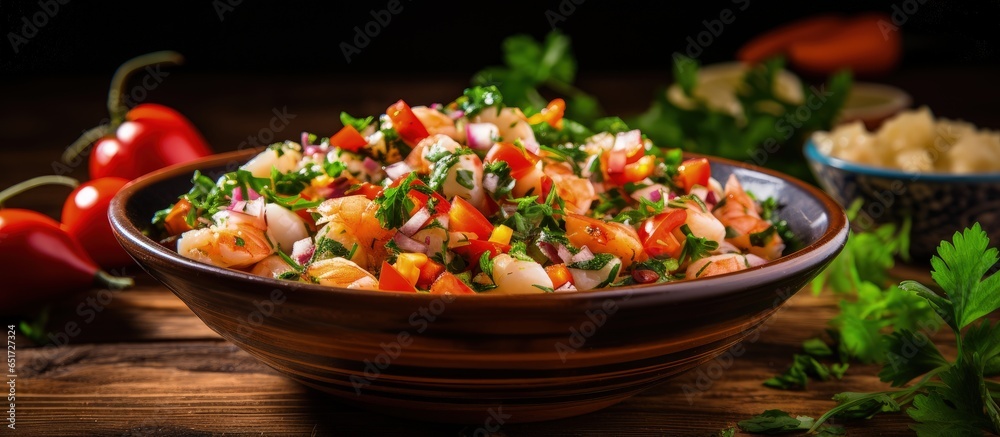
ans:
(720, 286)
(811, 150)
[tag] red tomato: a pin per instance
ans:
(409, 127)
(635, 171)
(348, 138)
(520, 161)
(85, 216)
(476, 248)
(463, 217)
(450, 284)
(389, 279)
(693, 172)
(371, 191)
(656, 233)
(429, 273)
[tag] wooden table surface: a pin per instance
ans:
(145, 365)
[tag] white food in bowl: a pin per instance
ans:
(914, 141)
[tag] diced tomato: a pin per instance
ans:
(429, 273)
(389, 279)
(409, 127)
(420, 199)
(442, 206)
(656, 233)
(634, 172)
(448, 283)
(552, 114)
(175, 222)
(546, 189)
(559, 274)
(348, 138)
(463, 217)
(475, 249)
(409, 264)
(520, 161)
(693, 172)
(371, 191)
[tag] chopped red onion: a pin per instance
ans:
(566, 288)
(710, 198)
(305, 139)
(550, 251)
(398, 170)
(490, 182)
(312, 149)
(238, 206)
(408, 244)
(626, 143)
(415, 223)
(436, 106)
(565, 255)
(653, 192)
(302, 250)
(371, 166)
(457, 114)
(443, 220)
(480, 136)
(237, 195)
(532, 146)
(583, 255)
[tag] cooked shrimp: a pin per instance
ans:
(739, 212)
(339, 272)
(235, 245)
(417, 159)
(271, 267)
(465, 179)
(511, 122)
(719, 264)
(288, 160)
(578, 192)
(351, 220)
(703, 224)
(437, 122)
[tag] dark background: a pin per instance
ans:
(432, 38)
(262, 57)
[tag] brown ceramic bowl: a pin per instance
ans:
(458, 359)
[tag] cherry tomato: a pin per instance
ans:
(520, 161)
(693, 172)
(656, 233)
(348, 138)
(389, 279)
(85, 216)
(448, 283)
(463, 217)
(476, 248)
(409, 127)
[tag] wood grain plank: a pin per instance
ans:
(210, 386)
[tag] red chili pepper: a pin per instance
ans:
(43, 261)
(85, 216)
(138, 141)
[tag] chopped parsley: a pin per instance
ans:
(596, 263)
(395, 204)
(474, 100)
(359, 123)
(695, 247)
(505, 183)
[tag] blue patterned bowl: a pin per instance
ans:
(939, 203)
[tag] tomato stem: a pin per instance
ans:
(19, 188)
(81, 144)
(116, 105)
(106, 280)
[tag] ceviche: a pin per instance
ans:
(473, 197)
